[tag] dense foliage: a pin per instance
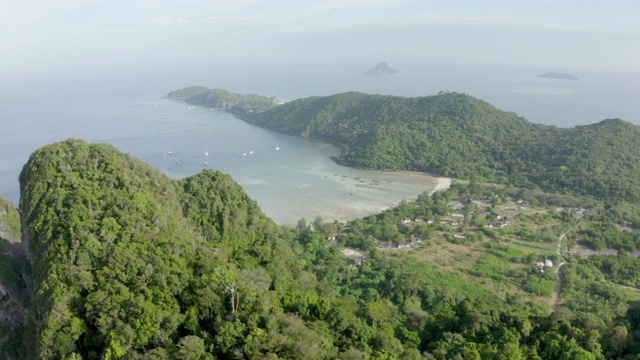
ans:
(9, 220)
(126, 264)
(130, 264)
(11, 252)
(606, 235)
(9, 249)
(12, 284)
(456, 135)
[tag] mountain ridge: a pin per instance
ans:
(457, 135)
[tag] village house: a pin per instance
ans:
(543, 264)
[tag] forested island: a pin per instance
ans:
(107, 258)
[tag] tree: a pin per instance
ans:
(192, 348)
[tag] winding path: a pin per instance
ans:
(620, 285)
(554, 300)
(555, 297)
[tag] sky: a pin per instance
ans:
(38, 37)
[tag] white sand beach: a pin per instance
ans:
(364, 199)
(442, 184)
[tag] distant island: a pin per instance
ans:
(381, 69)
(559, 76)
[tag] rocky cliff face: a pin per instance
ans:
(13, 294)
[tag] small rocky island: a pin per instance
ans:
(381, 69)
(559, 76)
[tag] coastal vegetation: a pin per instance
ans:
(238, 104)
(119, 261)
(456, 135)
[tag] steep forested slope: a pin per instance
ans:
(13, 294)
(601, 159)
(9, 220)
(110, 251)
(119, 271)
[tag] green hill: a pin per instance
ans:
(127, 261)
(460, 136)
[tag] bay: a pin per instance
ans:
(123, 107)
(297, 181)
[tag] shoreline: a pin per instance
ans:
(344, 149)
(441, 183)
(359, 210)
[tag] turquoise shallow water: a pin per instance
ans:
(297, 181)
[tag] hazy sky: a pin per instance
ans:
(43, 36)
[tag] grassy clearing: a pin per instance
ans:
(505, 261)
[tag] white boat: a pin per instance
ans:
(251, 152)
(277, 147)
(206, 163)
(206, 152)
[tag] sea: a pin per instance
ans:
(123, 106)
